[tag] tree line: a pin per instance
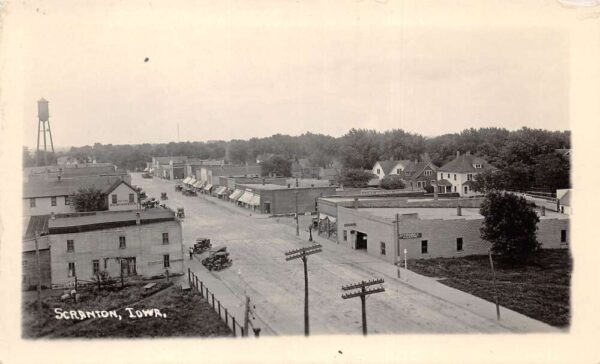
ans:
(527, 155)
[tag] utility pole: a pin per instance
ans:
(39, 281)
(297, 217)
(363, 293)
(302, 253)
(494, 284)
(246, 315)
(397, 237)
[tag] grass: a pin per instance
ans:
(187, 314)
(540, 289)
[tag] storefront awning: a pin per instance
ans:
(146, 169)
(197, 184)
(236, 194)
(208, 187)
(255, 200)
(246, 197)
(221, 190)
(325, 216)
(186, 180)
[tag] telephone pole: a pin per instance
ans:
(297, 217)
(362, 293)
(302, 253)
(494, 283)
(39, 281)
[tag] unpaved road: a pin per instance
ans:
(276, 287)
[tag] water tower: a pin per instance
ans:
(43, 127)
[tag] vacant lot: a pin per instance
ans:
(181, 314)
(540, 290)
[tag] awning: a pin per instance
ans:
(197, 184)
(255, 200)
(246, 197)
(146, 169)
(325, 216)
(221, 190)
(185, 180)
(191, 181)
(207, 187)
(236, 194)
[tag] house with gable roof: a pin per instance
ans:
(388, 167)
(458, 174)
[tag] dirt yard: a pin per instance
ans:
(164, 309)
(540, 290)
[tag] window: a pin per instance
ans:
(454, 188)
(378, 171)
(478, 166)
(466, 189)
(448, 175)
(563, 236)
(32, 202)
(345, 235)
(423, 246)
(459, 244)
(67, 201)
(398, 171)
(420, 184)
(122, 242)
(165, 238)
(95, 267)
(131, 198)
(114, 199)
(166, 262)
(70, 246)
(382, 248)
(455, 176)
(469, 177)
(53, 201)
(428, 172)
(71, 269)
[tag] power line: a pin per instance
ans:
(363, 293)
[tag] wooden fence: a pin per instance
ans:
(223, 313)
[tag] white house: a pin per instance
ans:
(121, 197)
(384, 168)
(458, 174)
(564, 201)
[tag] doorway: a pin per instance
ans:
(267, 207)
(128, 267)
(361, 241)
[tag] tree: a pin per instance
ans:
(489, 181)
(28, 160)
(391, 182)
(277, 165)
(89, 199)
(510, 225)
(552, 171)
(355, 178)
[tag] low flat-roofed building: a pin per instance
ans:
(129, 243)
(35, 227)
(276, 199)
(429, 232)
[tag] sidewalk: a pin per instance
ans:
(509, 319)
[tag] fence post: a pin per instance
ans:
(233, 320)
(219, 304)
(226, 317)
(189, 275)
(213, 300)
(196, 277)
(201, 289)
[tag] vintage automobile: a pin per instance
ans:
(163, 196)
(201, 245)
(178, 188)
(218, 259)
(180, 213)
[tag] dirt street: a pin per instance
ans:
(257, 245)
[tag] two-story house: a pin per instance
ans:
(420, 174)
(384, 168)
(458, 174)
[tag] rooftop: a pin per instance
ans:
(271, 186)
(41, 187)
(465, 163)
(432, 213)
(99, 218)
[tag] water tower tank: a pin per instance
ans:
(43, 109)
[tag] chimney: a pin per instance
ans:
(543, 213)
(356, 202)
(137, 218)
(458, 210)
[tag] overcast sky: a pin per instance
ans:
(226, 70)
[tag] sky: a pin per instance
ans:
(235, 70)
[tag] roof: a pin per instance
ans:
(117, 184)
(99, 220)
(565, 199)
(387, 165)
(36, 223)
(436, 213)
(464, 164)
(271, 186)
(416, 168)
(66, 186)
(444, 182)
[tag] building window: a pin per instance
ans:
(455, 176)
(95, 267)
(71, 269)
(131, 198)
(478, 166)
(420, 184)
(428, 172)
(166, 261)
(398, 171)
(345, 235)
(454, 188)
(165, 238)
(469, 177)
(448, 175)
(70, 246)
(459, 244)
(67, 201)
(378, 171)
(53, 201)
(423, 246)
(382, 248)
(466, 189)
(114, 199)
(122, 242)
(563, 236)
(32, 202)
